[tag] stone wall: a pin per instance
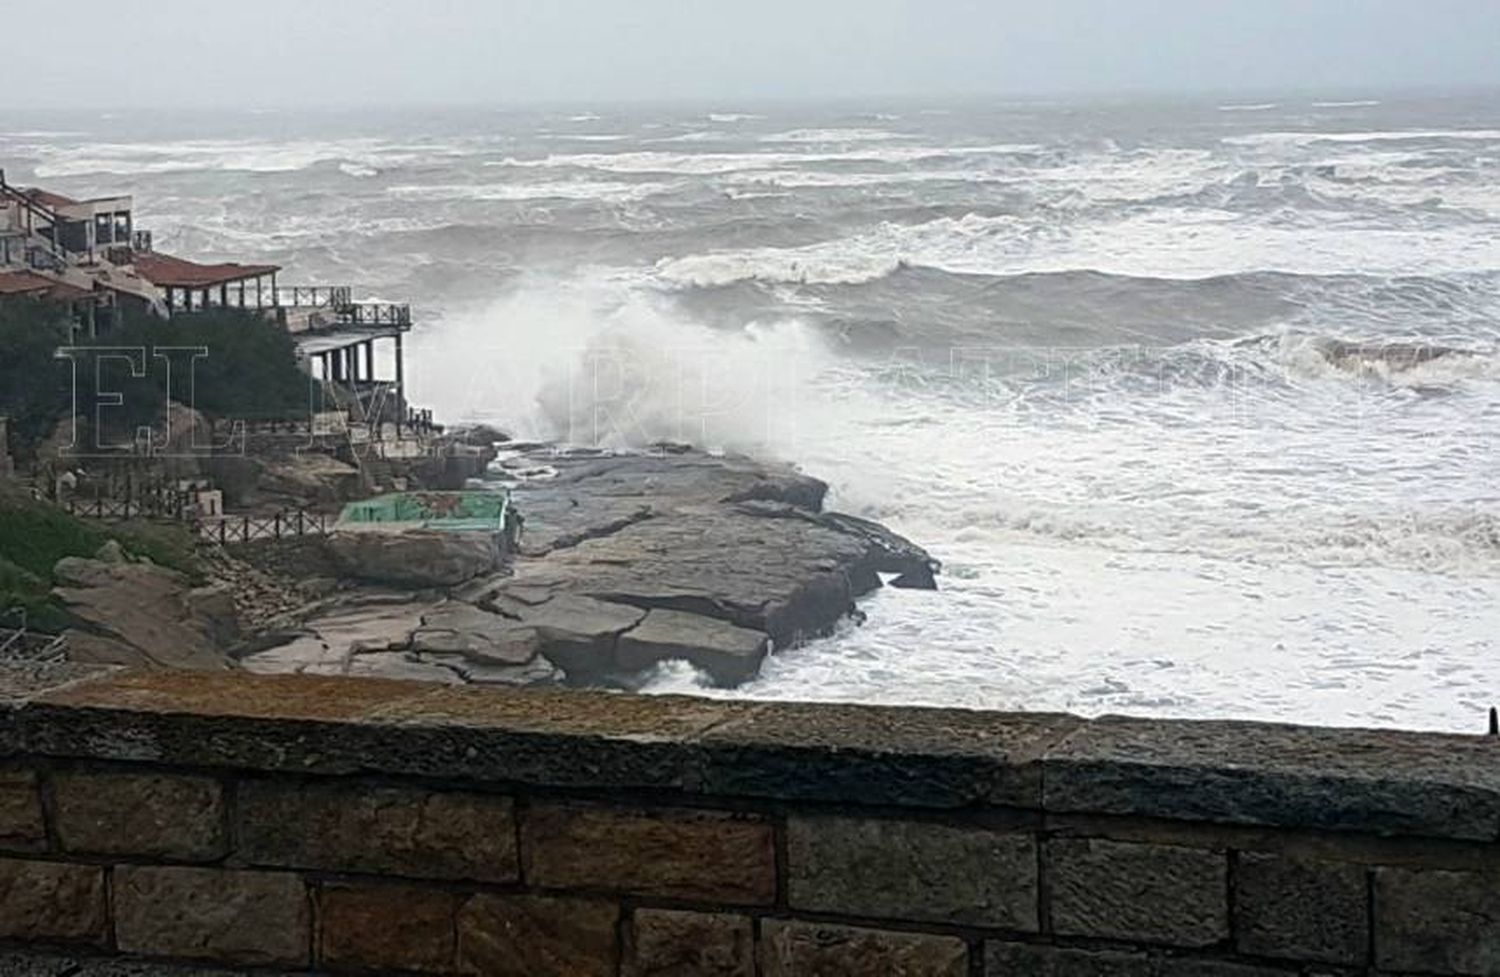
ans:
(231, 821)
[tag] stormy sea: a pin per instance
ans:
(1197, 402)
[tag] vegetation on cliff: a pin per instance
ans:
(226, 363)
(34, 535)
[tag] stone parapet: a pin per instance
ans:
(227, 822)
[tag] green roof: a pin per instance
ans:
(431, 510)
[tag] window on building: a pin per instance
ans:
(122, 227)
(104, 229)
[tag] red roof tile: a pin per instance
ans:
(164, 271)
(23, 283)
(49, 199)
(28, 283)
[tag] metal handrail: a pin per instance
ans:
(314, 296)
(376, 314)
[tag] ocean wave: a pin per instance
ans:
(1398, 135)
(722, 117)
(587, 136)
(802, 179)
(611, 192)
(834, 136)
(1465, 541)
(700, 164)
(1164, 242)
(133, 159)
(1359, 103)
(1253, 107)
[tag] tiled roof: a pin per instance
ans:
(23, 283)
(29, 283)
(49, 199)
(163, 270)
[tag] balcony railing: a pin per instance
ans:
(376, 314)
(314, 296)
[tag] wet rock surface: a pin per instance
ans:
(625, 561)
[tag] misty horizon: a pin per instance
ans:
(577, 52)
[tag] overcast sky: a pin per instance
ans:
(107, 53)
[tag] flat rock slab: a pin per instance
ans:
(729, 654)
(456, 628)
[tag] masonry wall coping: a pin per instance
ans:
(1385, 782)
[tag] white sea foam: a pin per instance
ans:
(552, 190)
(1252, 107)
(1169, 243)
(655, 161)
(1362, 103)
(733, 117)
(834, 136)
(126, 159)
(1398, 135)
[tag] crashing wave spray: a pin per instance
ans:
(593, 362)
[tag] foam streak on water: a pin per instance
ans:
(1199, 404)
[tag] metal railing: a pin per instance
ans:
(291, 523)
(376, 314)
(313, 296)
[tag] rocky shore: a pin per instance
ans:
(624, 561)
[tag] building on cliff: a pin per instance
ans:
(91, 256)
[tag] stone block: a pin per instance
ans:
(667, 943)
(1303, 777)
(1185, 967)
(913, 870)
(21, 827)
(680, 854)
(1126, 891)
(1305, 910)
(147, 814)
(1028, 960)
(940, 758)
(533, 936)
(386, 927)
(253, 918)
(1437, 922)
(50, 902)
(380, 830)
(795, 949)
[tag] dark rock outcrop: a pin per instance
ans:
(625, 561)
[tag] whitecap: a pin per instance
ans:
(1401, 135)
(833, 136)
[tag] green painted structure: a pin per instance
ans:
(454, 511)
